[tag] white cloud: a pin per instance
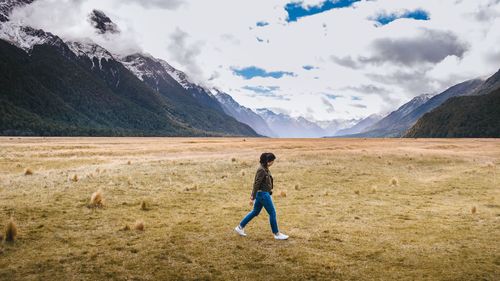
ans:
(218, 35)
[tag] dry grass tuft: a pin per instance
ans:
(473, 210)
(373, 189)
(28, 172)
(192, 188)
(97, 199)
(139, 225)
(10, 232)
(356, 192)
(125, 228)
(233, 159)
(128, 162)
(297, 187)
(283, 193)
(389, 163)
(144, 206)
(242, 173)
(74, 178)
(394, 181)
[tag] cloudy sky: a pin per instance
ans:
(322, 60)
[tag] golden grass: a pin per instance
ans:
(424, 229)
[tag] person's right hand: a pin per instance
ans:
(251, 201)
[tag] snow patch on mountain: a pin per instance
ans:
(26, 37)
(178, 75)
(90, 50)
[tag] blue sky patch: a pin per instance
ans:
(308, 67)
(253, 71)
(332, 96)
(418, 14)
(296, 10)
(262, 23)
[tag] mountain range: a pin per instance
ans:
(53, 86)
(56, 87)
(402, 121)
(473, 115)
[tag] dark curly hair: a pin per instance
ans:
(266, 157)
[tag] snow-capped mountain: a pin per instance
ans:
(90, 50)
(243, 114)
(386, 126)
(288, 127)
(26, 37)
(331, 127)
(92, 91)
(360, 126)
(399, 121)
(472, 110)
(155, 72)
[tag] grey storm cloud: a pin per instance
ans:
(486, 11)
(346, 61)
(185, 54)
(164, 4)
(366, 89)
(370, 89)
(430, 46)
(358, 105)
(414, 82)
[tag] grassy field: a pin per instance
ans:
(355, 209)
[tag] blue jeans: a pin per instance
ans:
(262, 199)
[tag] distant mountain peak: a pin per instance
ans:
(26, 37)
(102, 23)
(145, 65)
(91, 50)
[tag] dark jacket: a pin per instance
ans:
(263, 181)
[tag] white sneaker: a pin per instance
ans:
(280, 236)
(240, 231)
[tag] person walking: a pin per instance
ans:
(261, 197)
